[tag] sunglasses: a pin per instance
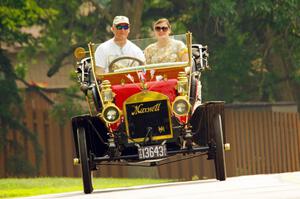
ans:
(120, 27)
(164, 28)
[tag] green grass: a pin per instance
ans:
(20, 187)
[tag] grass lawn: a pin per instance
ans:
(20, 187)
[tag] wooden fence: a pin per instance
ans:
(261, 142)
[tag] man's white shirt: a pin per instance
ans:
(109, 50)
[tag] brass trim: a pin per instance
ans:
(76, 161)
(79, 53)
(189, 45)
(110, 104)
(147, 96)
(182, 83)
(187, 101)
(106, 88)
(227, 146)
(91, 49)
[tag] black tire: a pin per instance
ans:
(220, 166)
(84, 161)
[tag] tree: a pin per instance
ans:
(14, 17)
(82, 21)
(253, 45)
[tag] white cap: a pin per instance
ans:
(120, 19)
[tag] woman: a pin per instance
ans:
(165, 49)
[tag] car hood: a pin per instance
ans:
(122, 92)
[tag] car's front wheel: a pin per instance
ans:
(84, 161)
(220, 165)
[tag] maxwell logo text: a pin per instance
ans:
(139, 109)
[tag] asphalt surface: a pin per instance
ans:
(273, 186)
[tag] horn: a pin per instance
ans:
(79, 53)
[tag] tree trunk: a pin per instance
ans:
(133, 9)
(283, 89)
(277, 64)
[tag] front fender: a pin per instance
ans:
(96, 134)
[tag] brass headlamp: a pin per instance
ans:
(106, 92)
(181, 106)
(111, 113)
(182, 84)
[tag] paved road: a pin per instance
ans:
(271, 186)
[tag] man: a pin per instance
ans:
(118, 46)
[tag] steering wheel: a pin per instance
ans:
(133, 60)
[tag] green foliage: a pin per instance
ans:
(15, 17)
(227, 65)
(222, 8)
(68, 104)
(253, 49)
(21, 70)
(243, 39)
(76, 23)
(10, 103)
(18, 165)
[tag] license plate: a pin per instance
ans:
(154, 151)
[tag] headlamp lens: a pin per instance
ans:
(181, 107)
(111, 114)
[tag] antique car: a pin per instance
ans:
(146, 112)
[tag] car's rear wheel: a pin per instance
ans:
(84, 160)
(220, 166)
